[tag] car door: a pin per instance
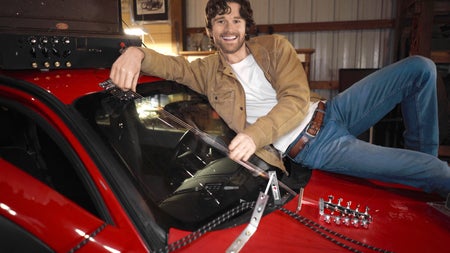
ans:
(53, 195)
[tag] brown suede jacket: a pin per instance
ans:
(213, 77)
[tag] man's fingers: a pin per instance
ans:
(128, 80)
(240, 154)
(134, 82)
(242, 147)
(126, 69)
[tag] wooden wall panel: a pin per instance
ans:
(195, 13)
(279, 12)
(300, 11)
(261, 11)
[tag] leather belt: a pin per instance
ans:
(312, 129)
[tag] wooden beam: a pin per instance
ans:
(177, 24)
(440, 56)
(317, 26)
(324, 85)
(421, 29)
(444, 151)
(326, 26)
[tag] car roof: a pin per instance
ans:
(67, 85)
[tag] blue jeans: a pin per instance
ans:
(411, 83)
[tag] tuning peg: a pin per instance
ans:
(339, 201)
(330, 198)
(337, 220)
(365, 223)
(355, 222)
(349, 203)
(346, 221)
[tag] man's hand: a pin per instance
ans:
(241, 147)
(126, 69)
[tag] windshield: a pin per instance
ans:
(160, 137)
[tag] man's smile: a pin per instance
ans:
(229, 37)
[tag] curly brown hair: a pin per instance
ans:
(220, 7)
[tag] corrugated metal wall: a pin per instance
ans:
(334, 49)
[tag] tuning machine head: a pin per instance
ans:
(338, 214)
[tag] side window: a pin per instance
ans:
(30, 144)
(15, 239)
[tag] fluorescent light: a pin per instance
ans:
(135, 31)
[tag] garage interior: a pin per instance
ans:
(339, 42)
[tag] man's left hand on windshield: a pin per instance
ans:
(241, 147)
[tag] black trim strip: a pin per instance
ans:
(87, 238)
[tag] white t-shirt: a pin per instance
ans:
(261, 98)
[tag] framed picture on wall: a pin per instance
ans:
(150, 11)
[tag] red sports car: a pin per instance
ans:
(88, 168)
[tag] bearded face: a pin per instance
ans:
(228, 31)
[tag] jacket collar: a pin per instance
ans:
(260, 53)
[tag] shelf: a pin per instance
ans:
(440, 56)
(418, 21)
(196, 53)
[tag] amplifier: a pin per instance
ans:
(59, 51)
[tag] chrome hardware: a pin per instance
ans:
(275, 188)
(338, 214)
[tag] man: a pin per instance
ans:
(259, 88)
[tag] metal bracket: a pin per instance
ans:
(275, 188)
(248, 232)
(257, 214)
